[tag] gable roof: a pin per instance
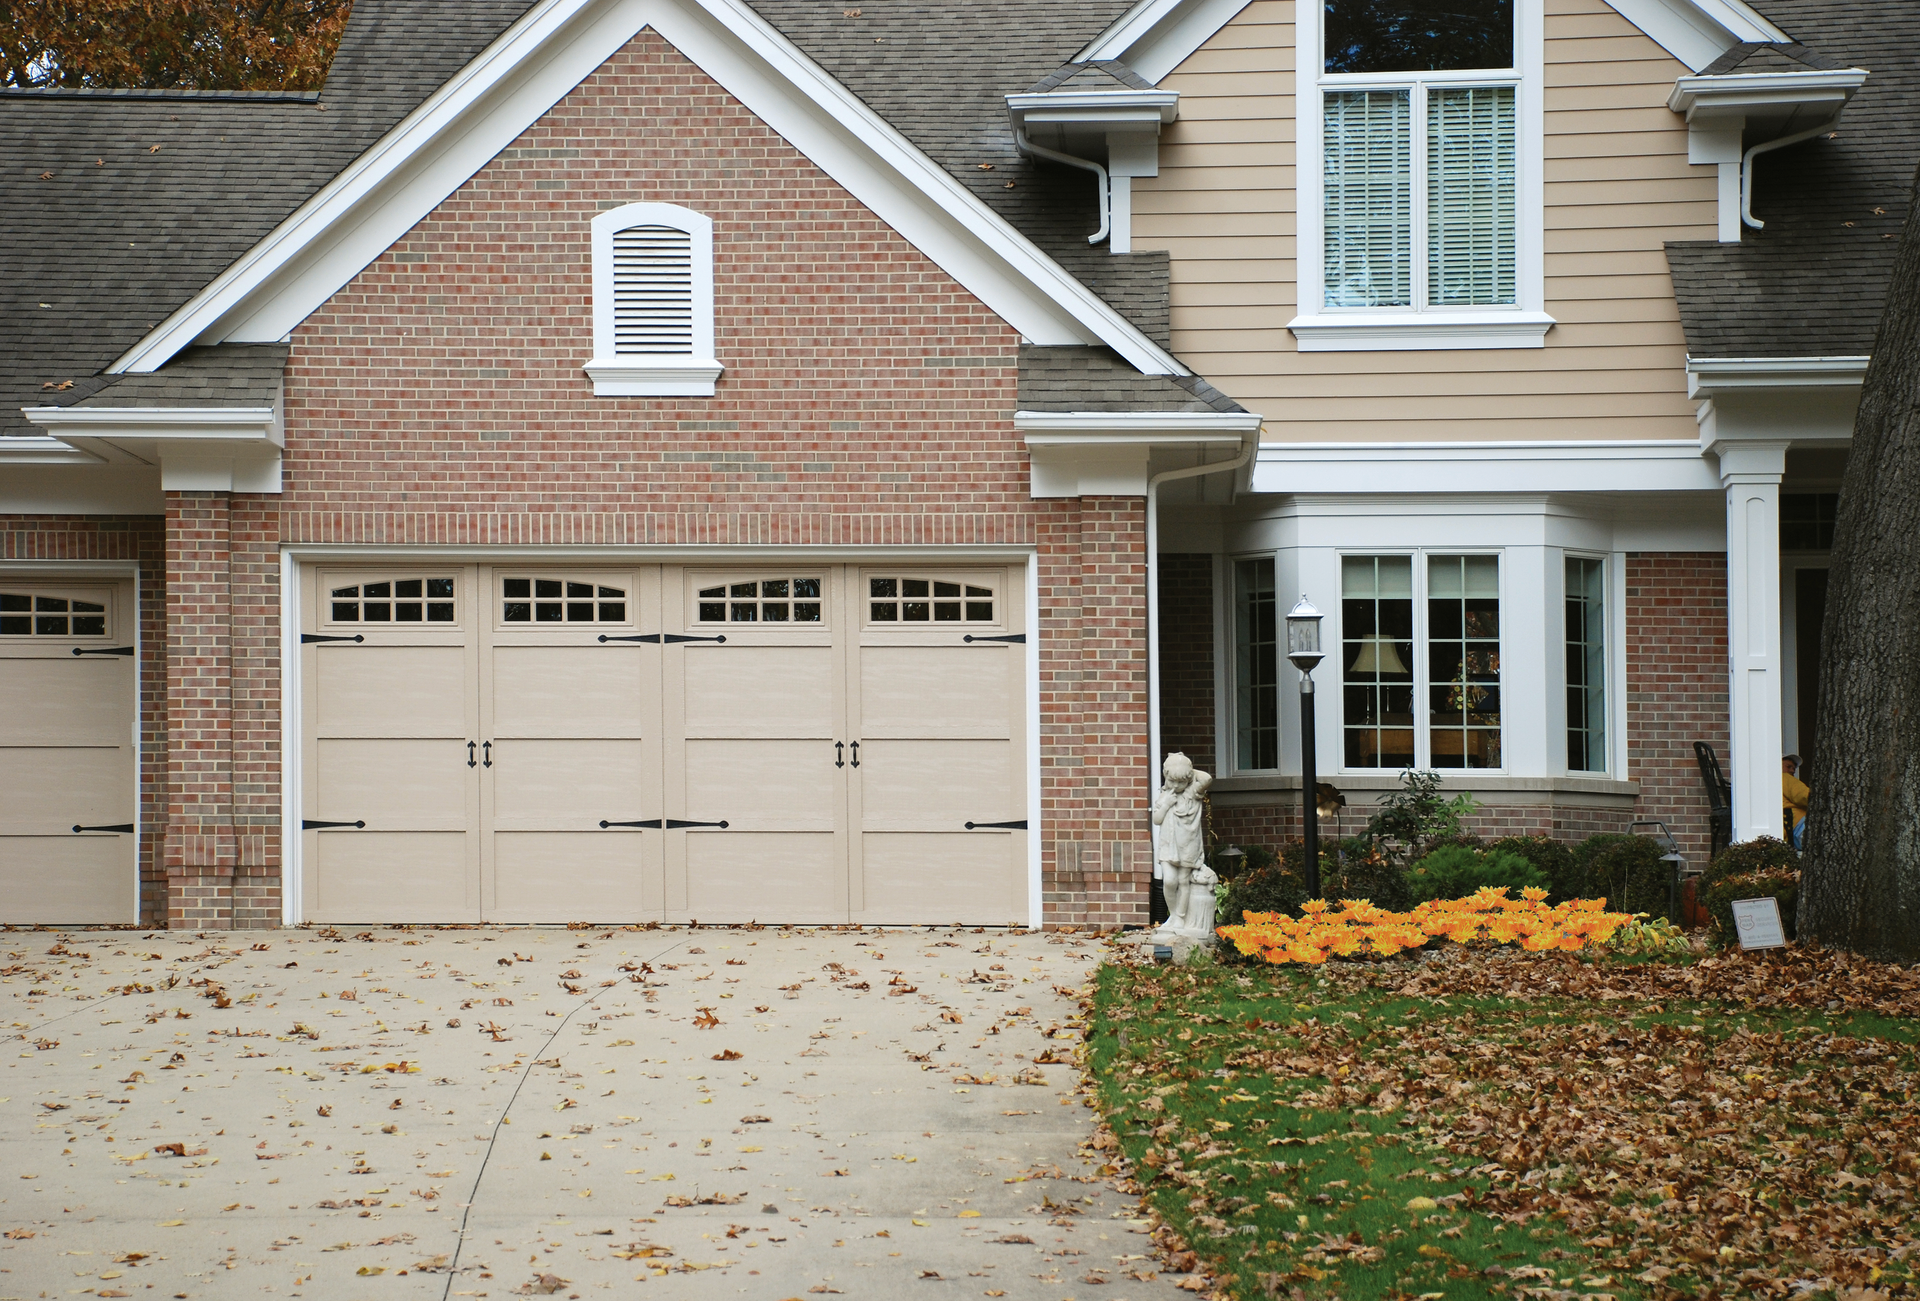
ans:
(1812, 282)
(145, 204)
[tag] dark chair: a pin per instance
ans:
(1719, 800)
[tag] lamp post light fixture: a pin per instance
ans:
(1303, 649)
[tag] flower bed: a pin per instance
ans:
(1489, 916)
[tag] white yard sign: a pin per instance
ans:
(1757, 922)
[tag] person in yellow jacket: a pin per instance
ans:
(1793, 799)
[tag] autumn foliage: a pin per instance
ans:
(1489, 916)
(191, 44)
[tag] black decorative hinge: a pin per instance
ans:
(674, 824)
(656, 638)
(103, 650)
(653, 823)
(1020, 637)
(308, 638)
(120, 828)
(1021, 825)
(306, 825)
(663, 824)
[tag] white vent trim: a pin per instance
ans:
(653, 303)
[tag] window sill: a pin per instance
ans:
(1419, 331)
(1452, 780)
(687, 377)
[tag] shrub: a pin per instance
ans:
(1624, 870)
(1783, 884)
(1658, 938)
(1363, 871)
(1412, 818)
(1553, 859)
(1455, 871)
(1273, 888)
(1767, 854)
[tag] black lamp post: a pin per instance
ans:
(1303, 649)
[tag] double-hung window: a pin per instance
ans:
(1420, 661)
(1419, 194)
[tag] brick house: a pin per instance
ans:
(695, 459)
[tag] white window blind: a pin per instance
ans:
(1369, 198)
(653, 291)
(1470, 196)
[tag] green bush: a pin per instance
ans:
(1717, 898)
(1553, 859)
(1626, 871)
(1455, 871)
(1358, 869)
(1272, 889)
(1767, 854)
(1412, 819)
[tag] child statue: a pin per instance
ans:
(1181, 847)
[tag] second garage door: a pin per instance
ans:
(784, 743)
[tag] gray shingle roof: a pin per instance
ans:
(145, 204)
(1767, 56)
(1813, 282)
(228, 375)
(1096, 379)
(1097, 74)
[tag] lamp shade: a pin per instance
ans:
(1303, 636)
(1378, 655)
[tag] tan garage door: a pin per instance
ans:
(781, 743)
(69, 683)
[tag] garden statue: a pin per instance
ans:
(1181, 849)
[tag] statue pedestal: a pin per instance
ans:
(1182, 943)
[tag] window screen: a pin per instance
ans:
(1470, 187)
(1369, 198)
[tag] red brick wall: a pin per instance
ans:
(141, 539)
(1676, 684)
(1186, 657)
(438, 398)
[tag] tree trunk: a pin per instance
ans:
(1860, 880)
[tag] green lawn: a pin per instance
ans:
(1522, 1125)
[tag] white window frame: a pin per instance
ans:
(1228, 746)
(676, 375)
(1422, 724)
(1610, 738)
(1319, 328)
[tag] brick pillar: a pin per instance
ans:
(1063, 898)
(200, 852)
(1116, 859)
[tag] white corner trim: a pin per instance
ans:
(1697, 32)
(486, 105)
(1584, 466)
(632, 376)
(1707, 376)
(198, 449)
(1737, 94)
(1157, 36)
(1419, 331)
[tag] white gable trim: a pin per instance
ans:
(1157, 36)
(373, 202)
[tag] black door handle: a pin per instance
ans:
(471, 761)
(486, 748)
(103, 650)
(308, 638)
(856, 754)
(839, 754)
(1021, 825)
(674, 824)
(1020, 637)
(122, 828)
(650, 822)
(306, 825)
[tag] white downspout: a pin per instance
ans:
(1153, 593)
(1746, 166)
(1027, 146)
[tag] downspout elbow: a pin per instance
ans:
(1027, 146)
(1746, 166)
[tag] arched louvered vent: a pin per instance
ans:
(652, 291)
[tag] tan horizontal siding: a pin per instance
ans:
(1617, 188)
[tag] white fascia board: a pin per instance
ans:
(1642, 465)
(1740, 93)
(1707, 376)
(1101, 106)
(239, 426)
(490, 102)
(1697, 32)
(42, 449)
(1070, 424)
(1157, 36)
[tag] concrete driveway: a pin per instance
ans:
(411, 1113)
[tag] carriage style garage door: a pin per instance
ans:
(69, 682)
(775, 743)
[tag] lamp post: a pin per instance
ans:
(1303, 649)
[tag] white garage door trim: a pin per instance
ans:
(292, 740)
(42, 570)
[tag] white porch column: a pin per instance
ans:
(1750, 473)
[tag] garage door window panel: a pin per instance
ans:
(762, 600)
(912, 599)
(530, 599)
(424, 599)
(52, 614)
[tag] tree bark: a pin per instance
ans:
(1860, 879)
